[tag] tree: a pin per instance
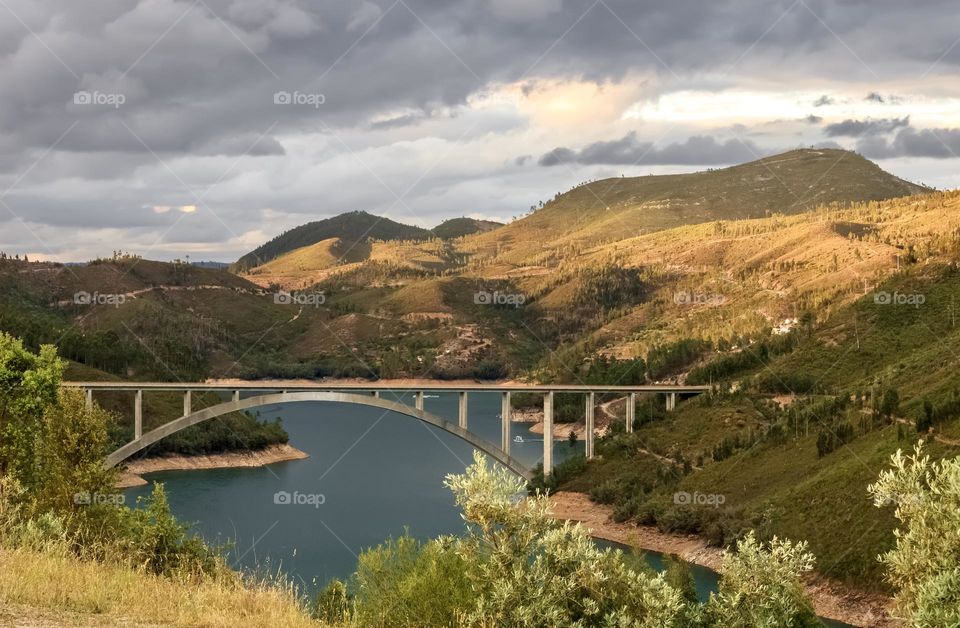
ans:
(924, 566)
(527, 569)
(761, 586)
(29, 383)
(75, 443)
(890, 403)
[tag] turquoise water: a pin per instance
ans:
(371, 475)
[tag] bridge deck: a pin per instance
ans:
(364, 386)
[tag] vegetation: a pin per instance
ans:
(924, 567)
(516, 565)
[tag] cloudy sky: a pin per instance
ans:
(204, 127)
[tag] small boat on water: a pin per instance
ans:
(518, 439)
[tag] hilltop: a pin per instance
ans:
(459, 227)
(350, 229)
(618, 208)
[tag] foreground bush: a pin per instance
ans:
(925, 564)
(518, 566)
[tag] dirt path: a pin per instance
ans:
(940, 439)
(830, 599)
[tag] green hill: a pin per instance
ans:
(351, 228)
(459, 227)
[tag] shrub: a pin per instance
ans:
(925, 564)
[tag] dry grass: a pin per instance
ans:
(55, 588)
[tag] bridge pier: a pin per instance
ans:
(631, 411)
(138, 414)
(671, 401)
(418, 400)
(236, 395)
(589, 420)
(462, 407)
(548, 433)
(187, 402)
(88, 396)
(505, 423)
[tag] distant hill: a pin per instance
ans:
(613, 209)
(349, 228)
(459, 227)
(211, 265)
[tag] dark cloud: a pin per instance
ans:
(812, 119)
(859, 128)
(700, 150)
(875, 97)
(199, 82)
(909, 142)
(823, 101)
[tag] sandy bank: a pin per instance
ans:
(831, 599)
(131, 476)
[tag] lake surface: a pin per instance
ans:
(378, 472)
(371, 475)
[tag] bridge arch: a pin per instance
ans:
(227, 407)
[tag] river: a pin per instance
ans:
(371, 475)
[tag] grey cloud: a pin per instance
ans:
(630, 150)
(909, 142)
(199, 80)
(823, 101)
(875, 97)
(859, 128)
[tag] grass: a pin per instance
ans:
(52, 587)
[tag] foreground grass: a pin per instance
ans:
(52, 587)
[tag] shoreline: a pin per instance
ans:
(832, 600)
(132, 474)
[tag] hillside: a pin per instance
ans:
(614, 209)
(621, 296)
(351, 229)
(459, 227)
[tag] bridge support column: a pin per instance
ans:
(505, 423)
(187, 402)
(236, 395)
(138, 415)
(671, 402)
(589, 420)
(418, 400)
(631, 411)
(376, 394)
(547, 433)
(462, 414)
(88, 396)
